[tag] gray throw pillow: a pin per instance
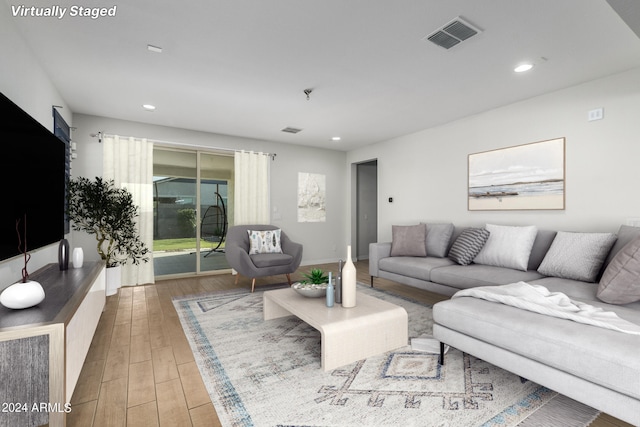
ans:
(626, 234)
(468, 244)
(438, 238)
(620, 283)
(577, 256)
(408, 240)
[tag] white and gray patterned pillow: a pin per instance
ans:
(577, 256)
(468, 244)
(264, 242)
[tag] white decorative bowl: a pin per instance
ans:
(310, 290)
(22, 295)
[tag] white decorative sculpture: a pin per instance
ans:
(22, 295)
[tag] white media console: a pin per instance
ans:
(43, 348)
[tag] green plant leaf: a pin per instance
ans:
(316, 276)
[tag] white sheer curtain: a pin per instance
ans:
(129, 162)
(251, 194)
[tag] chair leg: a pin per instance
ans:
(289, 279)
(253, 284)
(237, 278)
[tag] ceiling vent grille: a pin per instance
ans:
(291, 130)
(453, 33)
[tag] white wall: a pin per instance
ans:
(322, 241)
(426, 172)
(23, 80)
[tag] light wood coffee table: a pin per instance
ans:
(371, 327)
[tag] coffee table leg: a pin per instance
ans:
(271, 309)
(347, 342)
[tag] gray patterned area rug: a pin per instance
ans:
(267, 373)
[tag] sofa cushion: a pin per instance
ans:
(577, 256)
(574, 289)
(468, 276)
(264, 241)
(606, 357)
(580, 291)
(419, 268)
(468, 245)
(507, 246)
(438, 239)
(620, 283)
(409, 240)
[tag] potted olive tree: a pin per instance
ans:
(97, 207)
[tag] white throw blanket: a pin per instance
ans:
(538, 299)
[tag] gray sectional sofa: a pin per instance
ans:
(596, 366)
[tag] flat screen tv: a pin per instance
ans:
(32, 177)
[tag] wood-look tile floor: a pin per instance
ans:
(140, 370)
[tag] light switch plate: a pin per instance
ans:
(597, 114)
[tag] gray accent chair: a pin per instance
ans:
(261, 265)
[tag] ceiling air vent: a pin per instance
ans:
(291, 130)
(453, 33)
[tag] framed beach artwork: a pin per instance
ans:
(523, 177)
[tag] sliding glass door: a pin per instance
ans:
(216, 174)
(191, 214)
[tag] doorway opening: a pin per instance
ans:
(366, 207)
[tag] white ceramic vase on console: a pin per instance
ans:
(348, 282)
(77, 257)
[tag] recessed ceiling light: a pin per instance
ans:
(149, 107)
(155, 49)
(336, 138)
(522, 68)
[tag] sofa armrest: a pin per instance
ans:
(295, 250)
(377, 251)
